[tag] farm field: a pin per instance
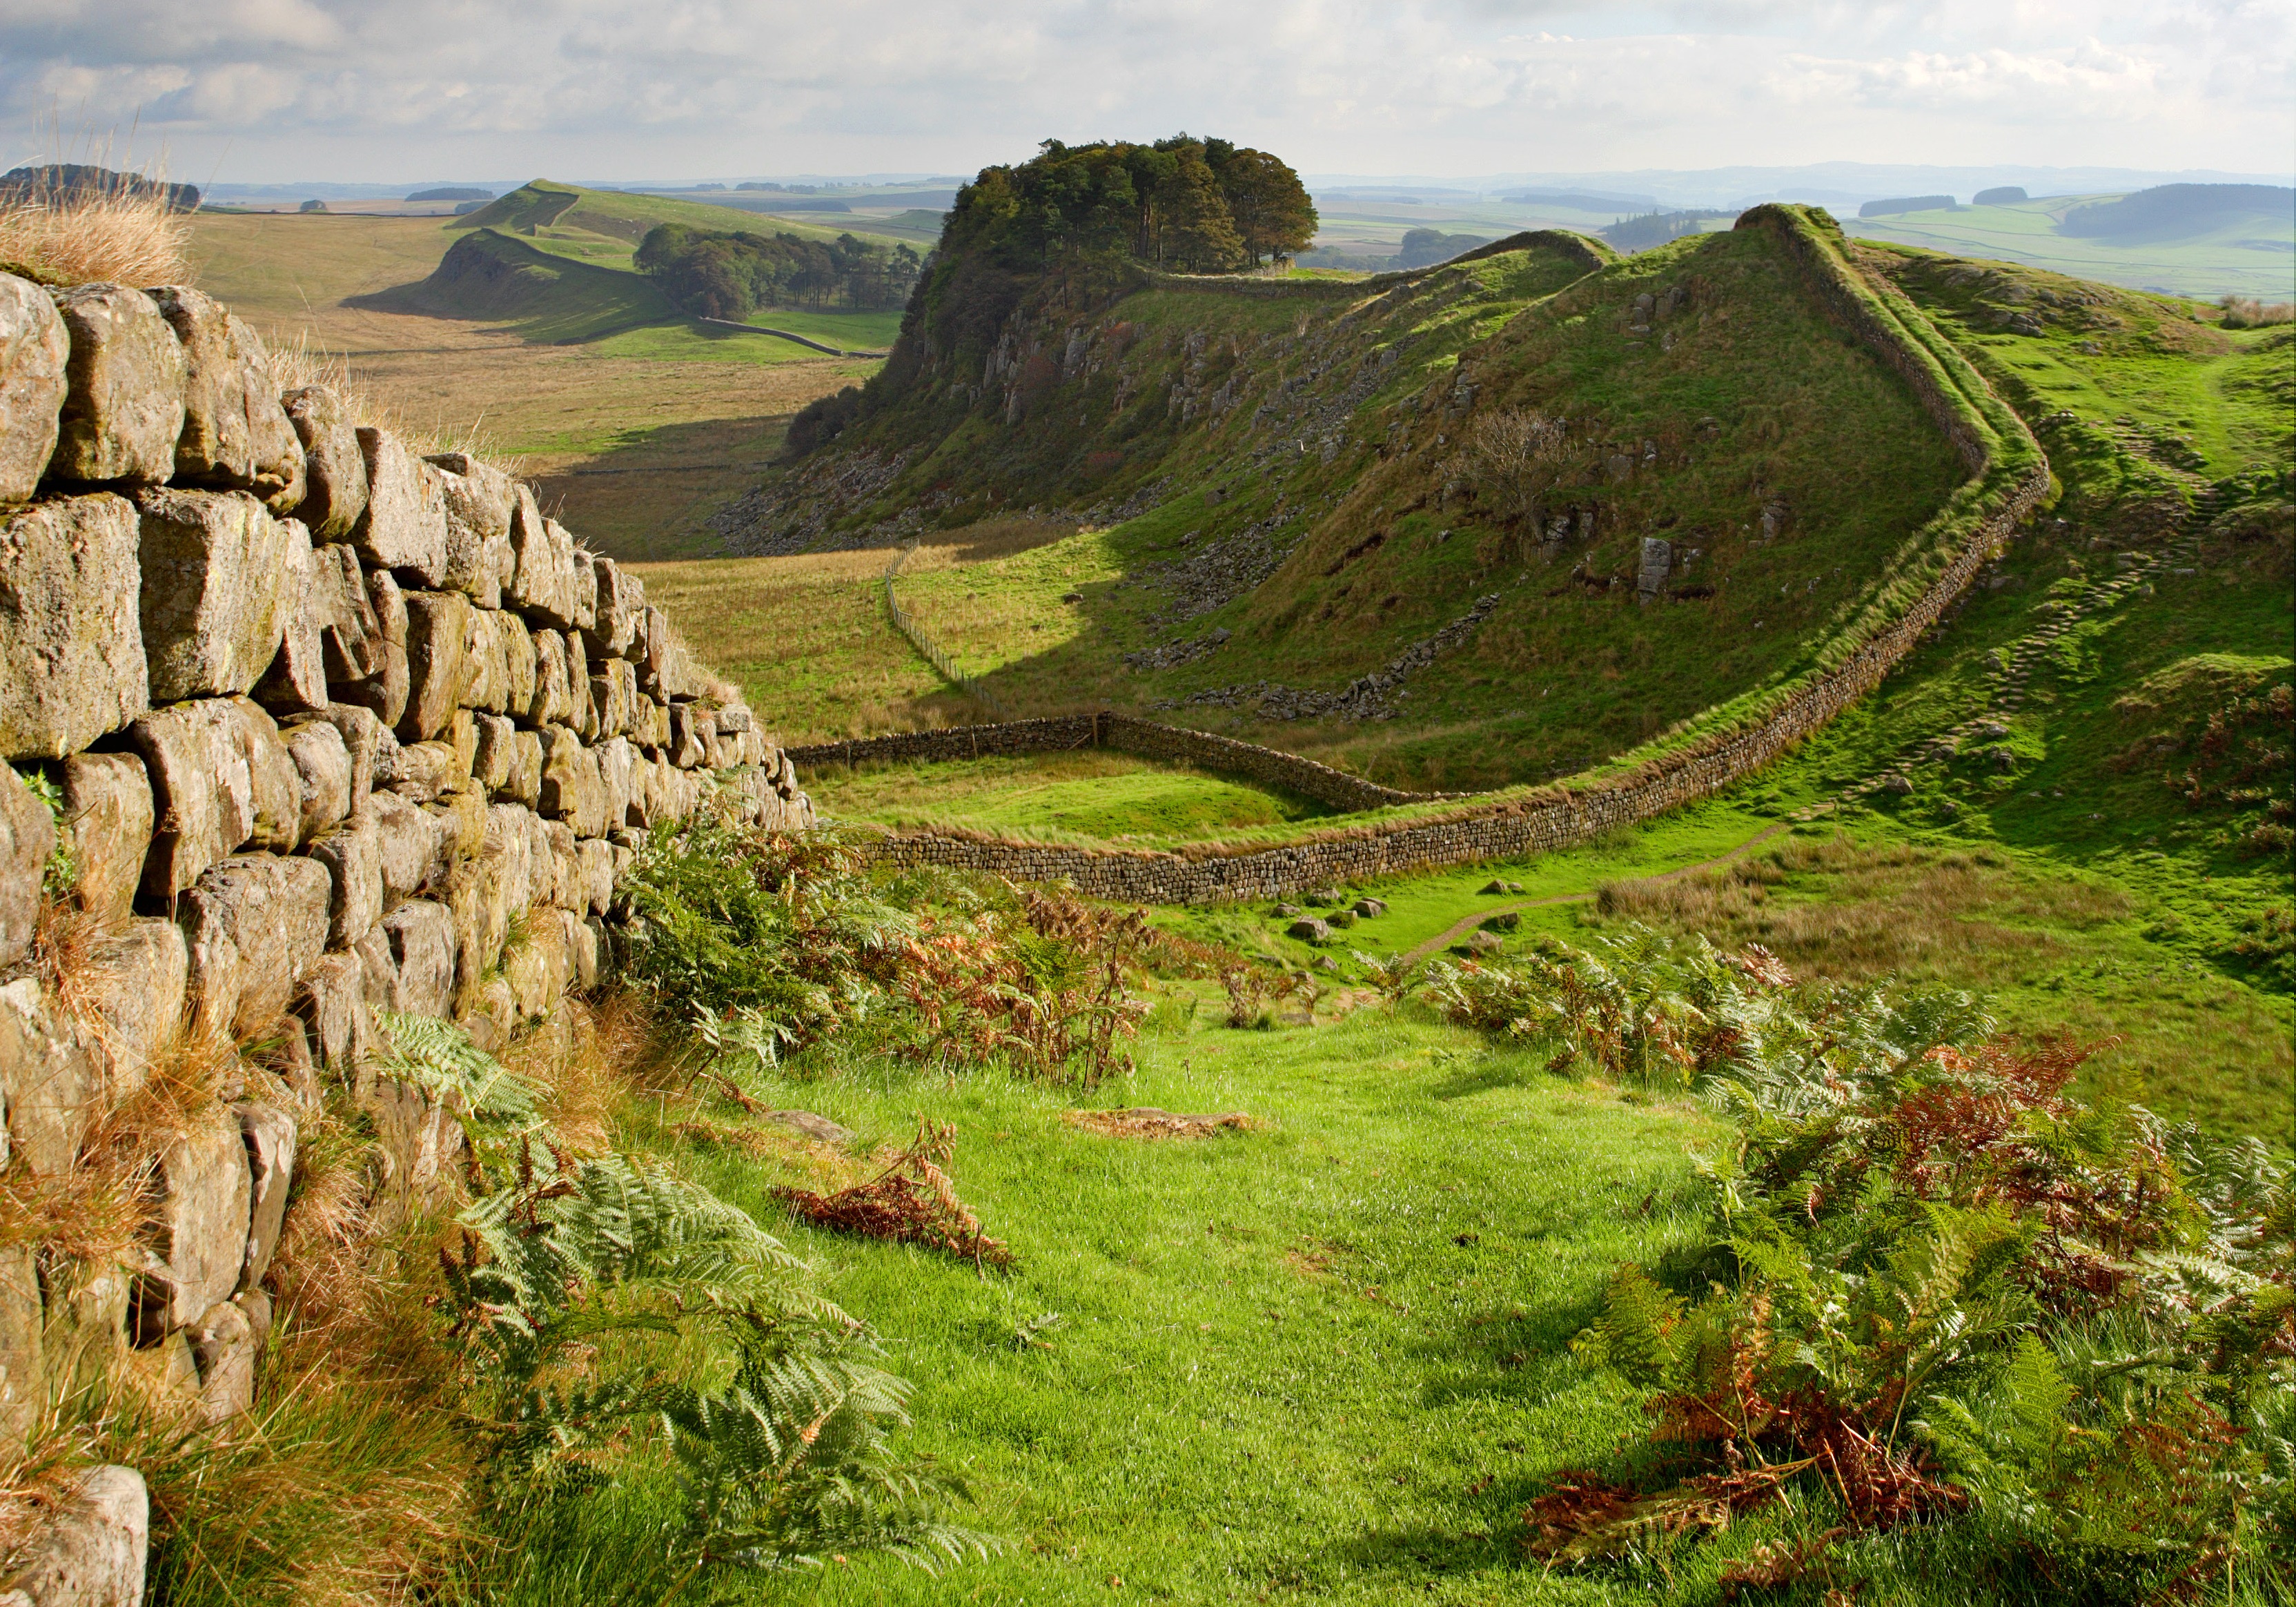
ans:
(635, 439)
(2247, 259)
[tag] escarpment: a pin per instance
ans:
(304, 728)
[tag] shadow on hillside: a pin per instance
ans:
(650, 495)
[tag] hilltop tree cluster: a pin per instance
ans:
(716, 274)
(1201, 206)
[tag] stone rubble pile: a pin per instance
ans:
(324, 726)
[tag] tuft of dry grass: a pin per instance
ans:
(2246, 312)
(84, 236)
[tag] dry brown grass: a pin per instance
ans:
(83, 237)
(2246, 312)
(1894, 909)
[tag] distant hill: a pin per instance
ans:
(66, 180)
(622, 215)
(491, 275)
(453, 192)
(2172, 211)
(1583, 200)
(1424, 247)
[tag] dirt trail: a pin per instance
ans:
(1468, 923)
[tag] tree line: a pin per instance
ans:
(716, 273)
(1202, 206)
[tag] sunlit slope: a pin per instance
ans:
(1325, 504)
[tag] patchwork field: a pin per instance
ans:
(633, 440)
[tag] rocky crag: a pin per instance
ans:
(302, 728)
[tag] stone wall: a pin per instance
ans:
(1149, 739)
(2009, 479)
(323, 726)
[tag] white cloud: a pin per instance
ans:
(600, 89)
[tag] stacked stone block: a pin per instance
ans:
(330, 722)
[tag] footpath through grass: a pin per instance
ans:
(1322, 1357)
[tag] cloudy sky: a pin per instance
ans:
(257, 91)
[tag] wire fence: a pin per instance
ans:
(926, 644)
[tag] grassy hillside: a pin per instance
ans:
(1318, 516)
(541, 205)
(2251, 254)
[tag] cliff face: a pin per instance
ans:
(301, 726)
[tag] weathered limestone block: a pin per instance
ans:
(436, 629)
(214, 590)
(269, 1135)
(686, 725)
(486, 667)
(617, 759)
(508, 853)
(542, 574)
(125, 405)
(23, 1382)
(598, 875)
(334, 492)
(297, 680)
(517, 649)
(571, 790)
(34, 349)
(350, 634)
(424, 770)
(332, 1001)
(27, 835)
(609, 702)
(567, 890)
(550, 703)
(378, 969)
(107, 826)
(274, 910)
(236, 433)
(538, 969)
(413, 845)
(405, 525)
(70, 635)
(491, 1014)
(367, 740)
(137, 988)
(584, 719)
(323, 771)
(422, 952)
(463, 736)
(90, 1551)
(479, 501)
(224, 1349)
(193, 1244)
(353, 859)
(497, 750)
(619, 613)
(583, 615)
(585, 949)
(221, 779)
(215, 975)
(523, 786)
(49, 1079)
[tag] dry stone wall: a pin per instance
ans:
(310, 726)
(1149, 739)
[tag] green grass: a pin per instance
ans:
(1092, 795)
(2251, 256)
(1248, 1324)
(545, 297)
